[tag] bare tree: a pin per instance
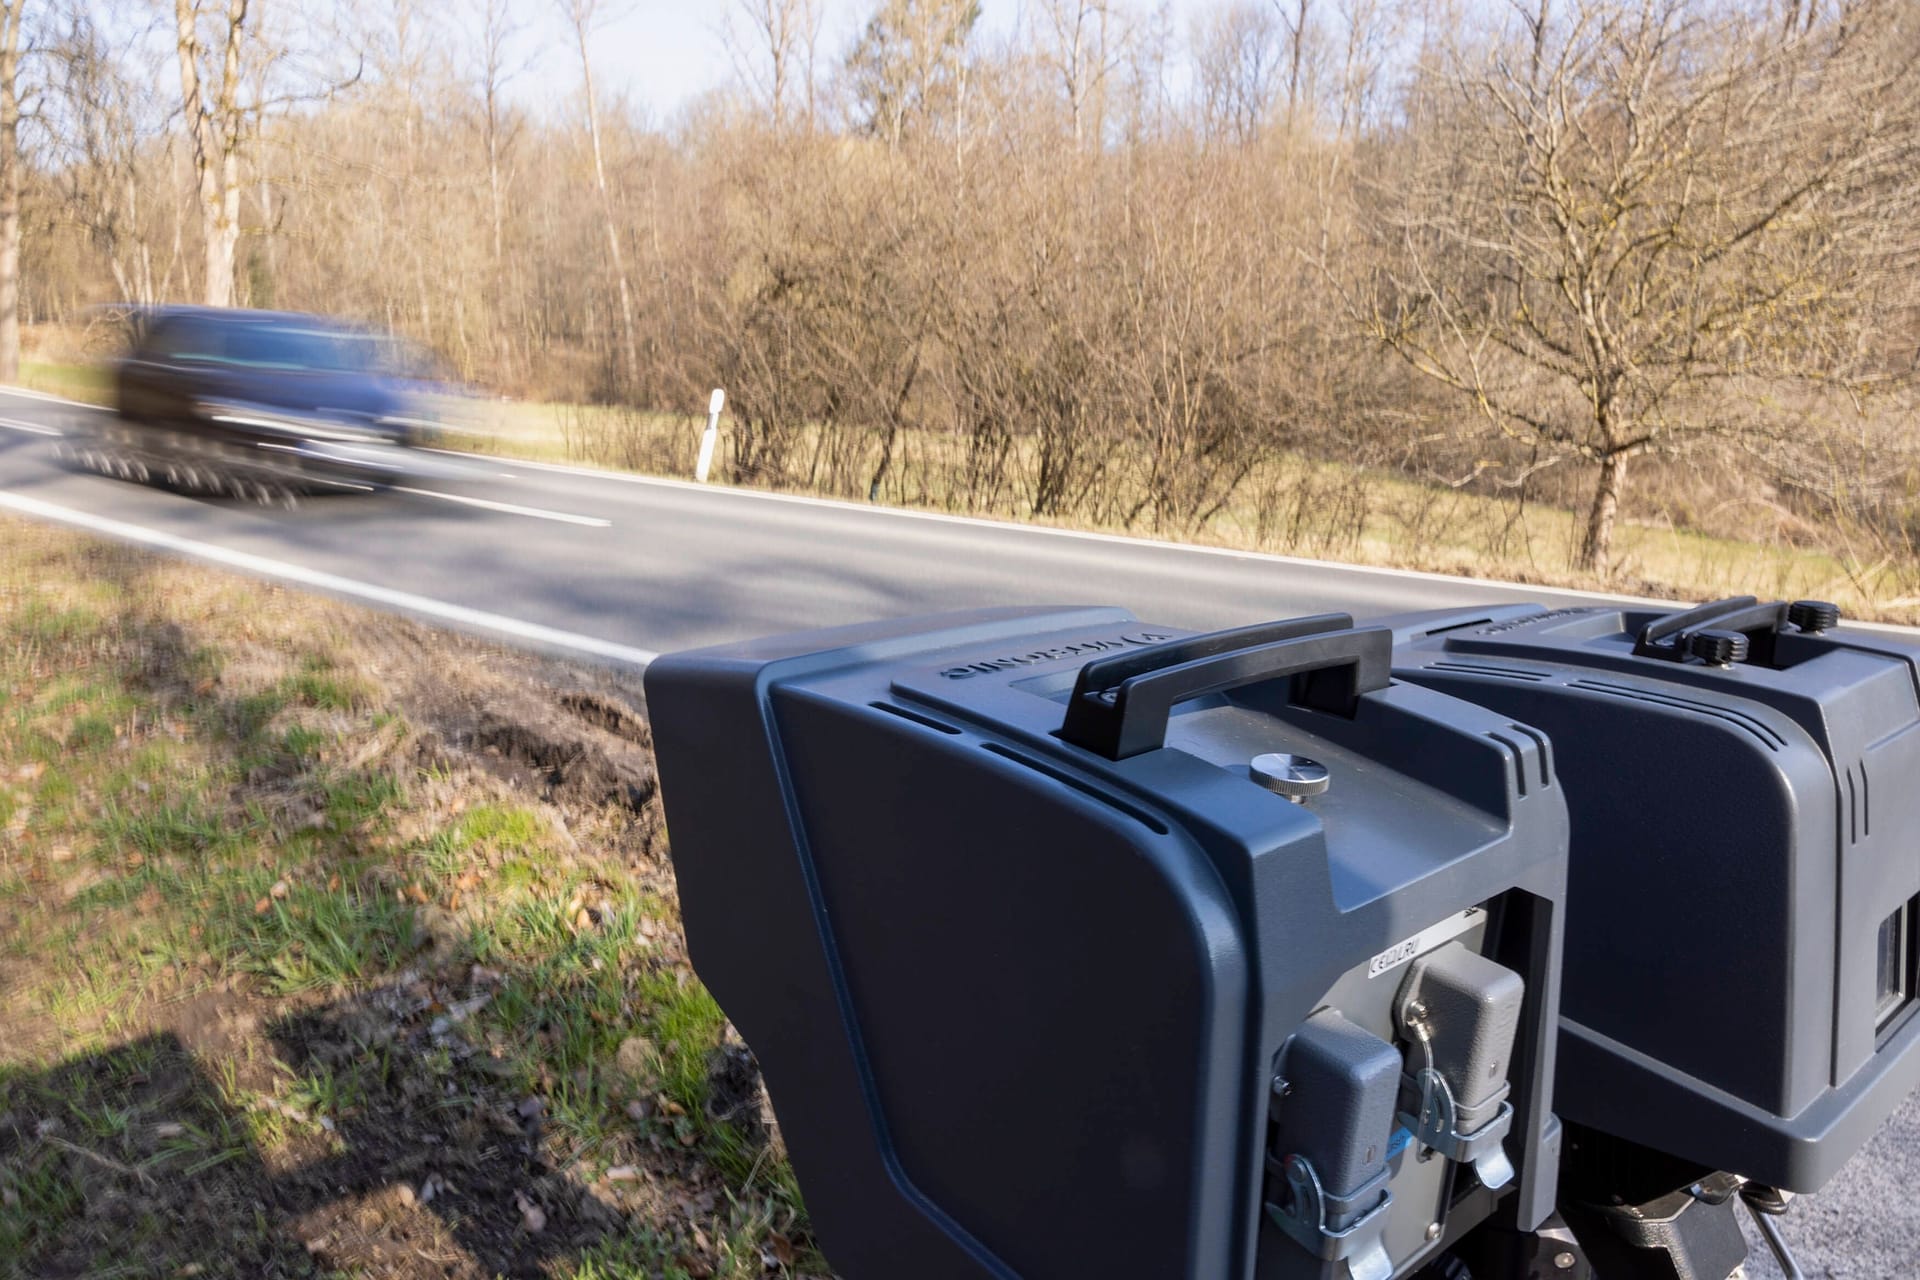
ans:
(1086, 43)
(216, 118)
(1370, 30)
(775, 54)
(909, 64)
(1296, 16)
(583, 17)
(1637, 247)
(11, 13)
(494, 34)
(102, 139)
(1236, 55)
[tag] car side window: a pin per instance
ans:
(182, 340)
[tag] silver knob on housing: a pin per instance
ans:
(1294, 777)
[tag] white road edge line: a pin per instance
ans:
(14, 424)
(1121, 539)
(538, 513)
(300, 574)
(1380, 571)
(1083, 535)
(50, 398)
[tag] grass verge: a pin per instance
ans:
(313, 964)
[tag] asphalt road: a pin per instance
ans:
(621, 568)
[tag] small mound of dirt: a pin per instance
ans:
(569, 764)
(603, 712)
(577, 735)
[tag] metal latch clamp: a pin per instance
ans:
(1361, 1244)
(1436, 1127)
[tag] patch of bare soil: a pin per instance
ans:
(570, 734)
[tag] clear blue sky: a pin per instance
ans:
(663, 53)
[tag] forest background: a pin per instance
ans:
(1609, 291)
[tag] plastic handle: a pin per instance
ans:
(1124, 716)
(1104, 674)
(1667, 637)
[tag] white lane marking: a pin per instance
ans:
(538, 513)
(14, 424)
(50, 398)
(1083, 535)
(1127, 540)
(287, 572)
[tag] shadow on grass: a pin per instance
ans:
(152, 1159)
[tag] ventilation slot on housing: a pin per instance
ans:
(1859, 808)
(915, 716)
(1487, 669)
(1540, 740)
(1519, 753)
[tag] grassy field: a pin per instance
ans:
(334, 946)
(1290, 505)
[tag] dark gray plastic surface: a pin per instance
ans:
(1740, 833)
(1019, 1005)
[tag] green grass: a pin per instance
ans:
(191, 827)
(85, 382)
(200, 825)
(315, 939)
(506, 828)
(37, 1204)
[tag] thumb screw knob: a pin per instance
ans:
(1813, 615)
(1719, 648)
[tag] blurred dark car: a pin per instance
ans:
(267, 404)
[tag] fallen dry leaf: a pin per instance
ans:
(280, 890)
(263, 906)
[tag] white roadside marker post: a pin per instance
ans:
(708, 437)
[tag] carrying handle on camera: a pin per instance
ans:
(1120, 705)
(1672, 637)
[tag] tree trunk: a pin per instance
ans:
(220, 227)
(615, 258)
(1596, 546)
(214, 129)
(10, 191)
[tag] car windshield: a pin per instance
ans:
(281, 345)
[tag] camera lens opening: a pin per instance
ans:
(1894, 965)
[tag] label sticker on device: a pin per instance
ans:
(1394, 957)
(1427, 939)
